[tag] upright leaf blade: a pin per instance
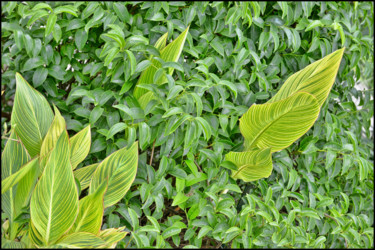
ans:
(84, 174)
(54, 202)
(277, 125)
(119, 168)
(316, 79)
(80, 145)
(31, 116)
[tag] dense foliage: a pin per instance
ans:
(320, 192)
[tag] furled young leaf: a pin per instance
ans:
(252, 165)
(112, 235)
(31, 116)
(80, 240)
(316, 79)
(119, 168)
(80, 145)
(84, 174)
(54, 202)
(170, 53)
(277, 125)
(90, 213)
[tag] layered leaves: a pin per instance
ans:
(31, 116)
(80, 146)
(119, 168)
(84, 175)
(54, 202)
(81, 240)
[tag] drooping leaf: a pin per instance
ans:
(277, 125)
(119, 168)
(31, 116)
(54, 202)
(251, 165)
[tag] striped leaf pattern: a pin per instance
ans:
(57, 127)
(90, 213)
(120, 169)
(170, 53)
(80, 240)
(31, 116)
(54, 202)
(80, 145)
(84, 174)
(277, 125)
(252, 165)
(13, 179)
(13, 157)
(316, 79)
(112, 235)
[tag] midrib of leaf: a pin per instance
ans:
(50, 208)
(242, 167)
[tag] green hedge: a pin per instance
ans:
(320, 193)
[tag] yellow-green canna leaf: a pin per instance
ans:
(34, 236)
(252, 165)
(80, 145)
(112, 235)
(316, 79)
(57, 127)
(277, 125)
(80, 240)
(54, 202)
(119, 168)
(11, 244)
(31, 116)
(84, 174)
(10, 181)
(170, 53)
(161, 42)
(90, 213)
(12, 158)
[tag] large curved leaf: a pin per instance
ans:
(120, 169)
(170, 53)
(31, 116)
(277, 125)
(80, 146)
(90, 213)
(316, 79)
(54, 202)
(252, 165)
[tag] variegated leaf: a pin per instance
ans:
(80, 240)
(120, 169)
(90, 213)
(277, 125)
(31, 116)
(112, 235)
(80, 145)
(84, 174)
(54, 202)
(252, 165)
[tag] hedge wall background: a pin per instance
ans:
(320, 193)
